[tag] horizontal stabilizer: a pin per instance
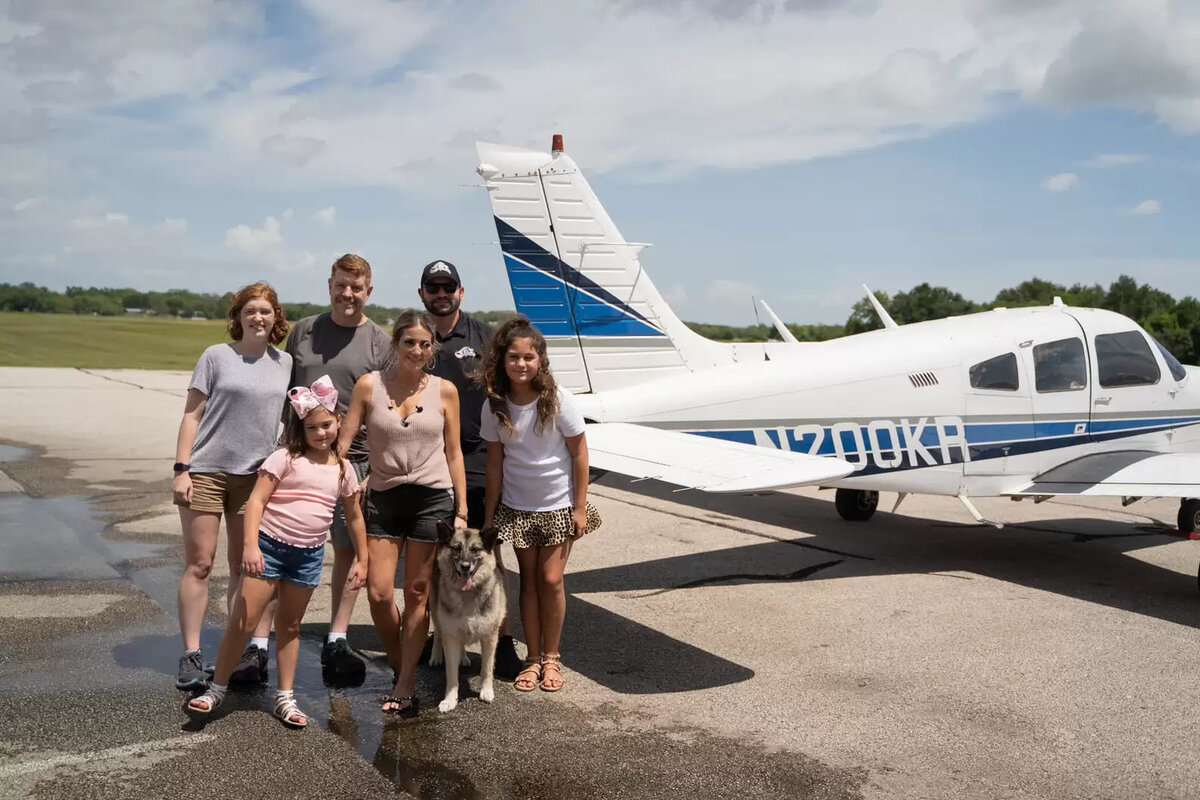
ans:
(1124, 473)
(702, 462)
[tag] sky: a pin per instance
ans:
(785, 149)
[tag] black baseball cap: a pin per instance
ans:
(439, 269)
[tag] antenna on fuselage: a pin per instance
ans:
(784, 333)
(884, 316)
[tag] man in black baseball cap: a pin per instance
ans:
(463, 342)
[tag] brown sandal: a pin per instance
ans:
(551, 661)
(524, 684)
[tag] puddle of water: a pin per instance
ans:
(9, 453)
(51, 538)
(390, 744)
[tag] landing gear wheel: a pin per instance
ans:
(856, 505)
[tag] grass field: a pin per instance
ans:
(67, 340)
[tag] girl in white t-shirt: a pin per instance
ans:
(537, 476)
(287, 521)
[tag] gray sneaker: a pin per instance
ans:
(252, 668)
(191, 675)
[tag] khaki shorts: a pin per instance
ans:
(218, 492)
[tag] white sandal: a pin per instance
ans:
(287, 712)
(211, 699)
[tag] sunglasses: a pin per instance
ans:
(435, 288)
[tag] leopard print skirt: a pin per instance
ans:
(541, 528)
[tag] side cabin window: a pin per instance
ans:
(1177, 370)
(1060, 366)
(996, 373)
(1125, 359)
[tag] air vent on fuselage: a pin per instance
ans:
(923, 379)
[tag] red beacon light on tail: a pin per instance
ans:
(556, 144)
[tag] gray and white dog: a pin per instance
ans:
(468, 604)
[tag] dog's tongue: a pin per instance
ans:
(466, 584)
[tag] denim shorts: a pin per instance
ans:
(286, 562)
(409, 511)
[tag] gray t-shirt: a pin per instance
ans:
(319, 346)
(245, 399)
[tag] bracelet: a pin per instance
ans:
(460, 515)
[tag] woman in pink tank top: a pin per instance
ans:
(416, 480)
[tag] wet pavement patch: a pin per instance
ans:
(542, 746)
(547, 749)
(9, 453)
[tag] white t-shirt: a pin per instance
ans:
(537, 466)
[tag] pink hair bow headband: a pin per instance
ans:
(320, 394)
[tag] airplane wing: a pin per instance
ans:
(702, 462)
(1123, 473)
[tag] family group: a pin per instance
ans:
(383, 437)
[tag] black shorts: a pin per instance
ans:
(409, 511)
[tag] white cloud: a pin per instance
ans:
(326, 216)
(256, 242)
(1062, 182)
(265, 246)
(173, 226)
(1109, 160)
(112, 219)
(739, 83)
(28, 204)
(1145, 208)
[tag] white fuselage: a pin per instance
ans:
(904, 407)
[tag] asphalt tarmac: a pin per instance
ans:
(715, 646)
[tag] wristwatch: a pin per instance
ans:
(182, 467)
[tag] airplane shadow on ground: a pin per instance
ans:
(1082, 558)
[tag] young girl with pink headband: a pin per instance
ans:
(287, 520)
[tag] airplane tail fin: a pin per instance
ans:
(577, 279)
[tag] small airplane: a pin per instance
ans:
(1019, 402)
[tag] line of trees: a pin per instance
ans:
(1175, 323)
(173, 303)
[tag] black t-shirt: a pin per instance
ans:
(460, 354)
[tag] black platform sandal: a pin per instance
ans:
(405, 706)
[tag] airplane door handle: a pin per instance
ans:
(1103, 401)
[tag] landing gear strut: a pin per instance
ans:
(1189, 515)
(856, 505)
(1189, 521)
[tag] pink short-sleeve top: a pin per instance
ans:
(300, 510)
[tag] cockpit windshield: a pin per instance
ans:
(1177, 370)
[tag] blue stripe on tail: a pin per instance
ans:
(547, 291)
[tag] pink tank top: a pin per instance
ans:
(411, 449)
